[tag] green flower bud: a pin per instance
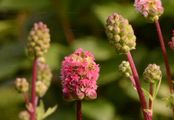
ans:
(22, 85)
(44, 72)
(152, 73)
(124, 67)
(24, 115)
(38, 40)
(120, 33)
(41, 88)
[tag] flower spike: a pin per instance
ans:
(120, 33)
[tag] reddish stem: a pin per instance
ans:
(33, 90)
(143, 103)
(164, 53)
(133, 81)
(26, 98)
(79, 110)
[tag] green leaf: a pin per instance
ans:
(55, 54)
(156, 88)
(49, 111)
(40, 111)
(99, 110)
(147, 94)
(100, 48)
(23, 4)
(103, 11)
(109, 71)
(10, 103)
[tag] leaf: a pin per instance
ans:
(11, 59)
(40, 111)
(109, 71)
(161, 109)
(147, 94)
(10, 103)
(24, 4)
(99, 110)
(49, 111)
(156, 88)
(103, 11)
(100, 48)
(55, 54)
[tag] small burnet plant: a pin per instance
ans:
(37, 45)
(150, 9)
(79, 74)
(120, 33)
(152, 73)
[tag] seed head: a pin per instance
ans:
(41, 88)
(43, 72)
(120, 33)
(24, 115)
(22, 85)
(152, 73)
(124, 67)
(38, 40)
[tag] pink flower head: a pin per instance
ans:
(150, 9)
(171, 43)
(79, 74)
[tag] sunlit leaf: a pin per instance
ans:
(103, 11)
(101, 49)
(55, 53)
(23, 4)
(99, 110)
(49, 111)
(10, 101)
(40, 110)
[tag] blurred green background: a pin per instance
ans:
(75, 24)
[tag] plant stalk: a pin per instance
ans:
(79, 109)
(33, 90)
(143, 103)
(165, 57)
(150, 100)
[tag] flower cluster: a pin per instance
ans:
(22, 85)
(79, 74)
(120, 33)
(150, 9)
(124, 67)
(38, 40)
(171, 43)
(152, 73)
(44, 76)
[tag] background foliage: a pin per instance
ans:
(76, 24)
